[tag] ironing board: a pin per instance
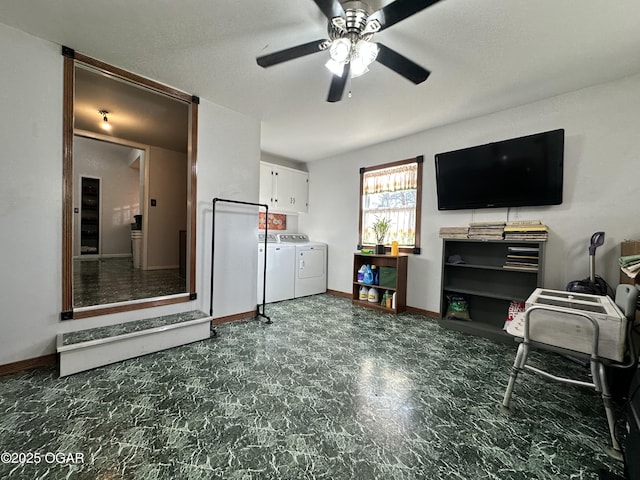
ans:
(577, 322)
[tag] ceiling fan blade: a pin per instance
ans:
(399, 10)
(291, 53)
(338, 84)
(330, 8)
(401, 65)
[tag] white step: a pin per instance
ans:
(86, 349)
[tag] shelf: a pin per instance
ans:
(484, 293)
(400, 289)
(90, 215)
(522, 270)
(474, 265)
(373, 305)
(491, 267)
(498, 240)
(486, 284)
(379, 287)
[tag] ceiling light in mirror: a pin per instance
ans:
(105, 125)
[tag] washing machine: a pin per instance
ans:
(310, 266)
(281, 259)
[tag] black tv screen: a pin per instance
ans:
(524, 171)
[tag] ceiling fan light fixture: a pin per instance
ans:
(352, 24)
(358, 68)
(365, 53)
(340, 49)
(337, 68)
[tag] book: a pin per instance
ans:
(520, 266)
(528, 236)
(522, 257)
(523, 249)
(486, 224)
(526, 228)
(512, 223)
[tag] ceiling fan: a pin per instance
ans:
(351, 27)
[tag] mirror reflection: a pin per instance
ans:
(130, 179)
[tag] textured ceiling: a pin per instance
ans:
(134, 113)
(485, 56)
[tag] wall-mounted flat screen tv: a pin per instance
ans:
(524, 171)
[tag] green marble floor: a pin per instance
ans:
(112, 280)
(328, 391)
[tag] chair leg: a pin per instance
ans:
(518, 364)
(615, 451)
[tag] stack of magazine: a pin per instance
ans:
(486, 230)
(522, 258)
(454, 232)
(526, 230)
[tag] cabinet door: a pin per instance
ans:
(283, 190)
(300, 191)
(267, 185)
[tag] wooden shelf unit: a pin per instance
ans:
(400, 288)
(90, 216)
(486, 284)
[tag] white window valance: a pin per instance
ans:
(393, 179)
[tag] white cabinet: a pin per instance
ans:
(300, 191)
(284, 189)
(266, 185)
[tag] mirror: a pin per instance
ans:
(129, 183)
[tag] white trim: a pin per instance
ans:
(149, 331)
(164, 267)
(127, 302)
(106, 255)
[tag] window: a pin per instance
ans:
(392, 191)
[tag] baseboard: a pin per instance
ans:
(162, 267)
(234, 318)
(102, 256)
(426, 313)
(338, 293)
(15, 367)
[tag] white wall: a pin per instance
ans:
(228, 168)
(602, 160)
(31, 200)
(30, 195)
(120, 192)
(168, 172)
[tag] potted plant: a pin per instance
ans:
(381, 227)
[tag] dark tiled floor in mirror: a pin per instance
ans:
(328, 391)
(112, 280)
